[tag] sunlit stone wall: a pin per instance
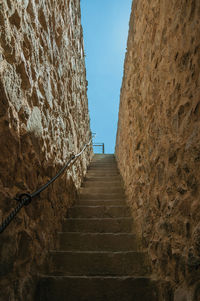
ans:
(43, 121)
(158, 140)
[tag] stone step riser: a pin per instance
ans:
(104, 163)
(99, 178)
(101, 203)
(107, 162)
(101, 184)
(100, 196)
(98, 263)
(102, 167)
(104, 156)
(97, 242)
(98, 212)
(105, 170)
(101, 190)
(106, 176)
(96, 178)
(96, 289)
(98, 225)
(104, 160)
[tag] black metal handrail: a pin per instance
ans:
(26, 198)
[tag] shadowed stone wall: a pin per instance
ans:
(158, 139)
(43, 120)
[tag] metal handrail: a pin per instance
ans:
(100, 144)
(26, 198)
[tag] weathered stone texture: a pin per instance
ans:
(43, 120)
(158, 140)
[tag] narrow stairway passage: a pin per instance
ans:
(98, 257)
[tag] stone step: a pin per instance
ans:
(117, 189)
(100, 225)
(95, 178)
(103, 158)
(107, 163)
(98, 211)
(103, 169)
(103, 163)
(98, 263)
(70, 241)
(89, 202)
(101, 196)
(61, 288)
(102, 184)
(102, 173)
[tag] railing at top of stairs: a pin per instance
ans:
(101, 145)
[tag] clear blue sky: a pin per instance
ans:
(105, 29)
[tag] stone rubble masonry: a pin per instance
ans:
(43, 120)
(158, 139)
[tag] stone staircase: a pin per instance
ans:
(98, 257)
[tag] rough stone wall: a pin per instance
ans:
(158, 139)
(43, 120)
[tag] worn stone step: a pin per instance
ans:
(102, 184)
(103, 157)
(102, 173)
(101, 196)
(98, 263)
(103, 169)
(98, 211)
(117, 189)
(95, 178)
(97, 241)
(103, 163)
(114, 202)
(100, 225)
(61, 288)
(108, 163)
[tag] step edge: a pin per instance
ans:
(98, 277)
(102, 218)
(99, 233)
(122, 200)
(99, 206)
(97, 252)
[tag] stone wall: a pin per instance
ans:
(158, 139)
(43, 120)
